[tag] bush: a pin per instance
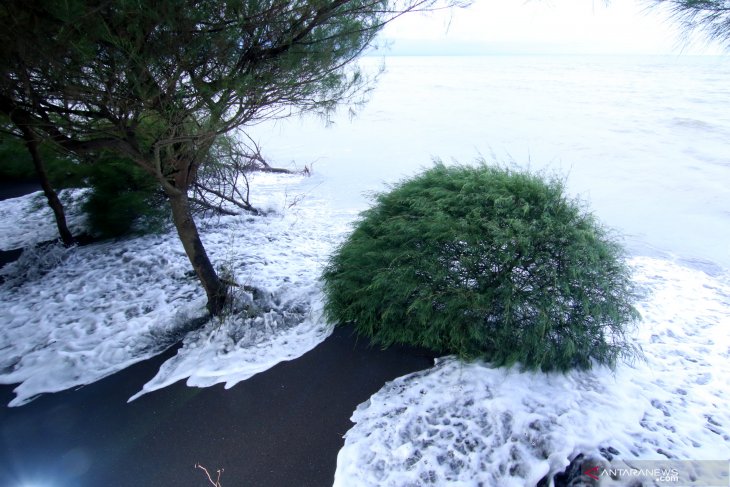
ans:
(16, 165)
(485, 262)
(123, 198)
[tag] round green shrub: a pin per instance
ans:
(485, 262)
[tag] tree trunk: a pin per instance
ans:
(188, 232)
(31, 142)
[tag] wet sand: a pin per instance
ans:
(283, 427)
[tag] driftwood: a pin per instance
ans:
(217, 481)
(221, 185)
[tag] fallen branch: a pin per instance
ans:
(212, 207)
(244, 205)
(223, 179)
(217, 482)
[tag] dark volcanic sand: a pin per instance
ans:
(282, 427)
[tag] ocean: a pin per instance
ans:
(644, 141)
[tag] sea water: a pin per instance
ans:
(645, 141)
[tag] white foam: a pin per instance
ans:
(469, 423)
(241, 346)
(28, 220)
(90, 311)
(99, 309)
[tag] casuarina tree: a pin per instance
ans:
(158, 81)
(709, 16)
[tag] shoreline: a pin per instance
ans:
(13, 190)
(281, 427)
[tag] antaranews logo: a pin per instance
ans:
(698, 473)
(656, 474)
(593, 472)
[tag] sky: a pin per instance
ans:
(544, 26)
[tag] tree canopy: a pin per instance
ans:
(710, 16)
(158, 81)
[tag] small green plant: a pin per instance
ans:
(485, 262)
(123, 199)
(16, 165)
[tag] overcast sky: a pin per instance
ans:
(539, 26)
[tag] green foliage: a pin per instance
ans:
(155, 63)
(709, 16)
(158, 81)
(485, 262)
(123, 199)
(16, 164)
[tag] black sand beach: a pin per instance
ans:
(282, 427)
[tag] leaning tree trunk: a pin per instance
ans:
(31, 142)
(190, 238)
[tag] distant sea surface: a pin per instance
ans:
(645, 141)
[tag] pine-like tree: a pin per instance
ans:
(158, 81)
(709, 16)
